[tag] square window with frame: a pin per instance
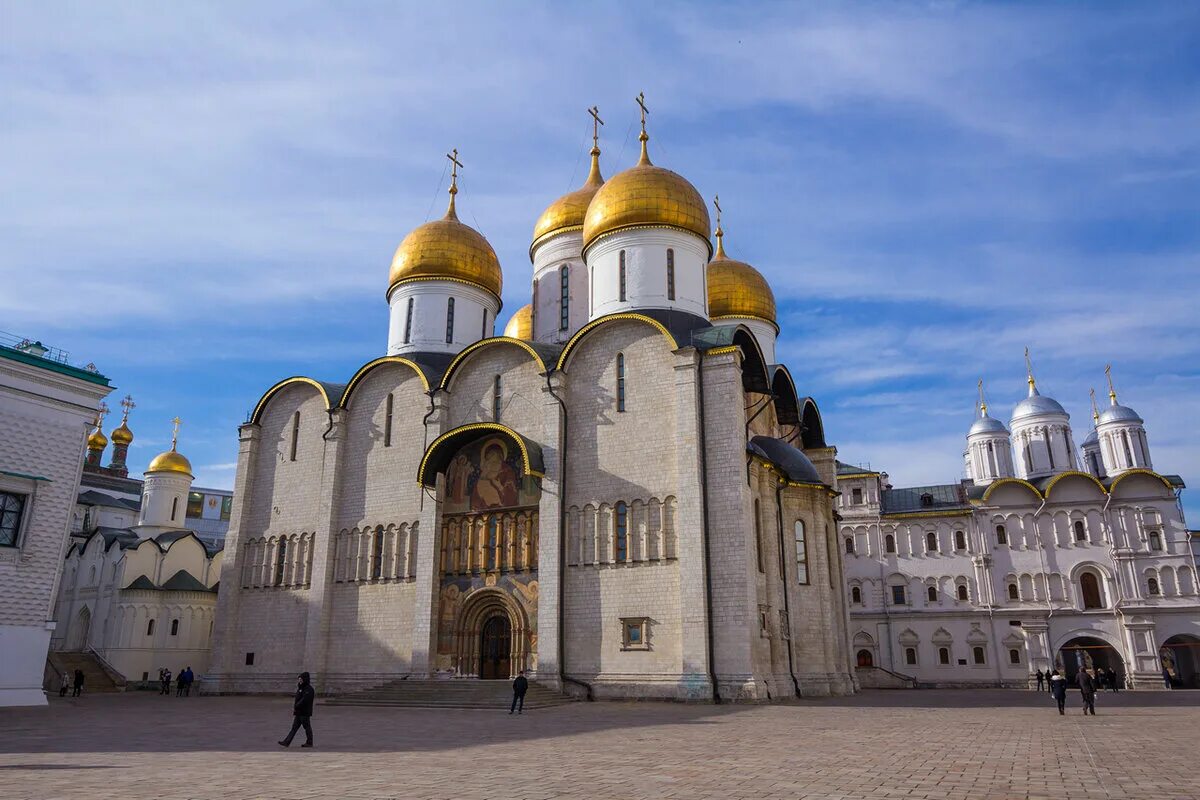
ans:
(635, 633)
(12, 515)
(899, 596)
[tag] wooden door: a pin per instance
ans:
(495, 648)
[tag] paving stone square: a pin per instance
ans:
(951, 745)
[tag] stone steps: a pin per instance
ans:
(95, 677)
(450, 694)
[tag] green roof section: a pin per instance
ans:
(13, 354)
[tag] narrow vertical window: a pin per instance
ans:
(408, 322)
(620, 381)
(960, 540)
(174, 507)
(1049, 447)
(150, 628)
(758, 548)
(962, 592)
(889, 543)
(496, 399)
(377, 554)
(1001, 535)
(295, 434)
(670, 274)
(174, 627)
(280, 561)
(855, 594)
(621, 278)
(450, 320)
(801, 554)
(483, 327)
(564, 298)
(622, 532)
(977, 654)
(387, 421)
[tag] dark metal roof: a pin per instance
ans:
(184, 581)
(93, 498)
(142, 582)
(939, 497)
(432, 365)
(791, 460)
(849, 469)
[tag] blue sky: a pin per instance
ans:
(202, 199)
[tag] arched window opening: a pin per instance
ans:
(849, 545)
(1152, 587)
(1001, 535)
(387, 420)
(801, 554)
(899, 596)
(944, 656)
(174, 627)
(621, 276)
(174, 509)
(1154, 539)
(978, 655)
(280, 561)
(150, 628)
(932, 594)
(1128, 452)
(620, 381)
(449, 320)
(483, 326)
(295, 436)
(962, 592)
(377, 554)
(408, 322)
(758, 548)
(889, 543)
(1080, 533)
(497, 398)
(910, 656)
(865, 659)
(1014, 656)
(855, 595)
(670, 274)
(960, 540)
(1013, 592)
(1089, 586)
(564, 298)
(1049, 447)
(622, 532)
(931, 542)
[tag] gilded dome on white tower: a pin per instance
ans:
(736, 289)
(567, 212)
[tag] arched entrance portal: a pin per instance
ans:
(1088, 652)
(495, 648)
(83, 625)
(865, 659)
(1180, 656)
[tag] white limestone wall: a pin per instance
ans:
(763, 331)
(473, 384)
(646, 272)
(989, 457)
(1042, 446)
(549, 259)
(1123, 447)
(475, 313)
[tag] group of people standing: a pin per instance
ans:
(73, 685)
(183, 684)
(1056, 683)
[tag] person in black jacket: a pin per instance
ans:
(1041, 680)
(78, 686)
(302, 710)
(520, 686)
(1087, 688)
(1058, 688)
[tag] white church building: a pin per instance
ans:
(1044, 557)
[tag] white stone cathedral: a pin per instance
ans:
(624, 494)
(1029, 564)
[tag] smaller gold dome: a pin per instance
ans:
(97, 441)
(170, 461)
(736, 289)
(567, 212)
(645, 196)
(447, 249)
(121, 434)
(521, 324)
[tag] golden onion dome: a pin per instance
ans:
(170, 461)
(446, 249)
(567, 212)
(645, 196)
(521, 324)
(97, 441)
(121, 434)
(736, 289)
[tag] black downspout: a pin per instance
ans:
(708, 611)
(562, 548)
(787, 611)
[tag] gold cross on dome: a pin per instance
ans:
(101, 413)
(453, 156)
(596, 123)
(717, 206)
(175, 432)
(128, 405)
(1029, 369)
(1112, 393)
(641, 101)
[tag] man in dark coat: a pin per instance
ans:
(1087, 688)
(520, 686)
(1041, 680)
(1058, 688)
(302, 709)
(78, 683)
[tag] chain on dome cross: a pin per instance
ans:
(101, 413)
(128, 405)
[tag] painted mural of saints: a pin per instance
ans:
(459, 479)
(497, 484)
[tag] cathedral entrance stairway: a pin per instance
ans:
(97, 676)
(464, 693)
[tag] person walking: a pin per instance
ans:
(189, 677)
(166, 681)
(1058, 688)
(1167, 677)
(1118, 680)
(64, 684)
(302, 710)
(78, 686)
(520, 686)
(1040, 679)
(1087, 688)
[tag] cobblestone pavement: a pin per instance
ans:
(981, 745)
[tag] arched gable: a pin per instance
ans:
(787, 401)
(484, 344)
(992, 487)
(366, 369)
(438, 454)
(721, 338)
(1146, 473)
(582, 333)
(812, 428)
(322, 389)
(1074, 477)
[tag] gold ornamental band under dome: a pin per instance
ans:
(521, 324)
(447, 249)
(736, 289)
(567, 212)
(646, 196)
(170, 461)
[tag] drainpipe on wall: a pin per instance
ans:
(787, 611)
(708, 611)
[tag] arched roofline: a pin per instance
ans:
(484, 343)
(1083, 566)
(994, 485)
(811, 435)
(279, 387)
(437, 455)
(189, 535)
(1072, 474)
(1147, 472)
(365, 369)
(610, 318)
(1089, 633)
(755, 376)
(787, 399)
